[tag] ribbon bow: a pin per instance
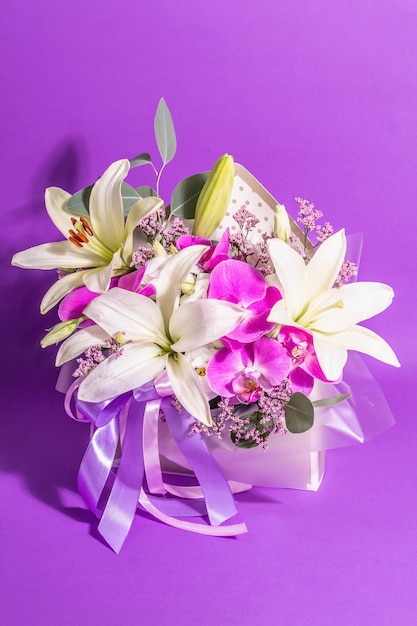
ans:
(126, 429)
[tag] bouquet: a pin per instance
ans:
(206, 342)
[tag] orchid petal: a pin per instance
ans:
(271, 359)
(312, 366)
(223, 368)
(56, 201)
(185, 241)
(257, 323)
(252, 328)
(187, 388)
(324, 267)
(121, 310)
(366, 341)
(237, 281)
(73, 305)
(116, 375)
(133, 280)
(198, 323)
(79, 342)
(106, 206)
(301, 381)
(62, 254)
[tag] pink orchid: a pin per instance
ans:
(305, 365)
(73, 305)
(214, 255)
(240, 283)
(244, 372)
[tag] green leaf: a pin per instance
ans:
(129, 197)
(332, 400)
(165, 132)
(145, 192)
(185, 196)
(78, 203)
(299, 413)
(141, 159)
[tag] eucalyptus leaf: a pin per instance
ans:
(146, 192)
(78, 203)
(299, 413)
(332, 400)
(129, 196)
(142, 159)
(165, 132)
(185, 196)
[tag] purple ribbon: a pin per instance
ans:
(217, 494)
(132, 420)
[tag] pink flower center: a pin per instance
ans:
(246, 387)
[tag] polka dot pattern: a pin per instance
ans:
(244, 195)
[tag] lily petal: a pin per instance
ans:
(106, 206)
(280, 315)
(177, 267)
(56, 201)
(138, 212)
(49, 256)
(60, 289)
(366, 341)
(98, 280)
(291, 271)
(324, 267)
(79, 342)
(186, 386)
(331, 356)
(339, 309)
(198, 323)
(115, 376)
(121, 310)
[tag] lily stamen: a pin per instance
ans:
(87, 226)
(75, 241)
(77, 238)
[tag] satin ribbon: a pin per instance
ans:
(131, 420)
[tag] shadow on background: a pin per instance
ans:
(38, 441)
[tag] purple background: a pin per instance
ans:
(318, 99)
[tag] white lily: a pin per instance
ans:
(157, 335)
(99, 247)
(310, 301)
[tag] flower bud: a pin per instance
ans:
(214, 198)
(158, 249)
(61, 331)
(282, 226)
(188, 286)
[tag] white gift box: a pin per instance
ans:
(280, 465)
